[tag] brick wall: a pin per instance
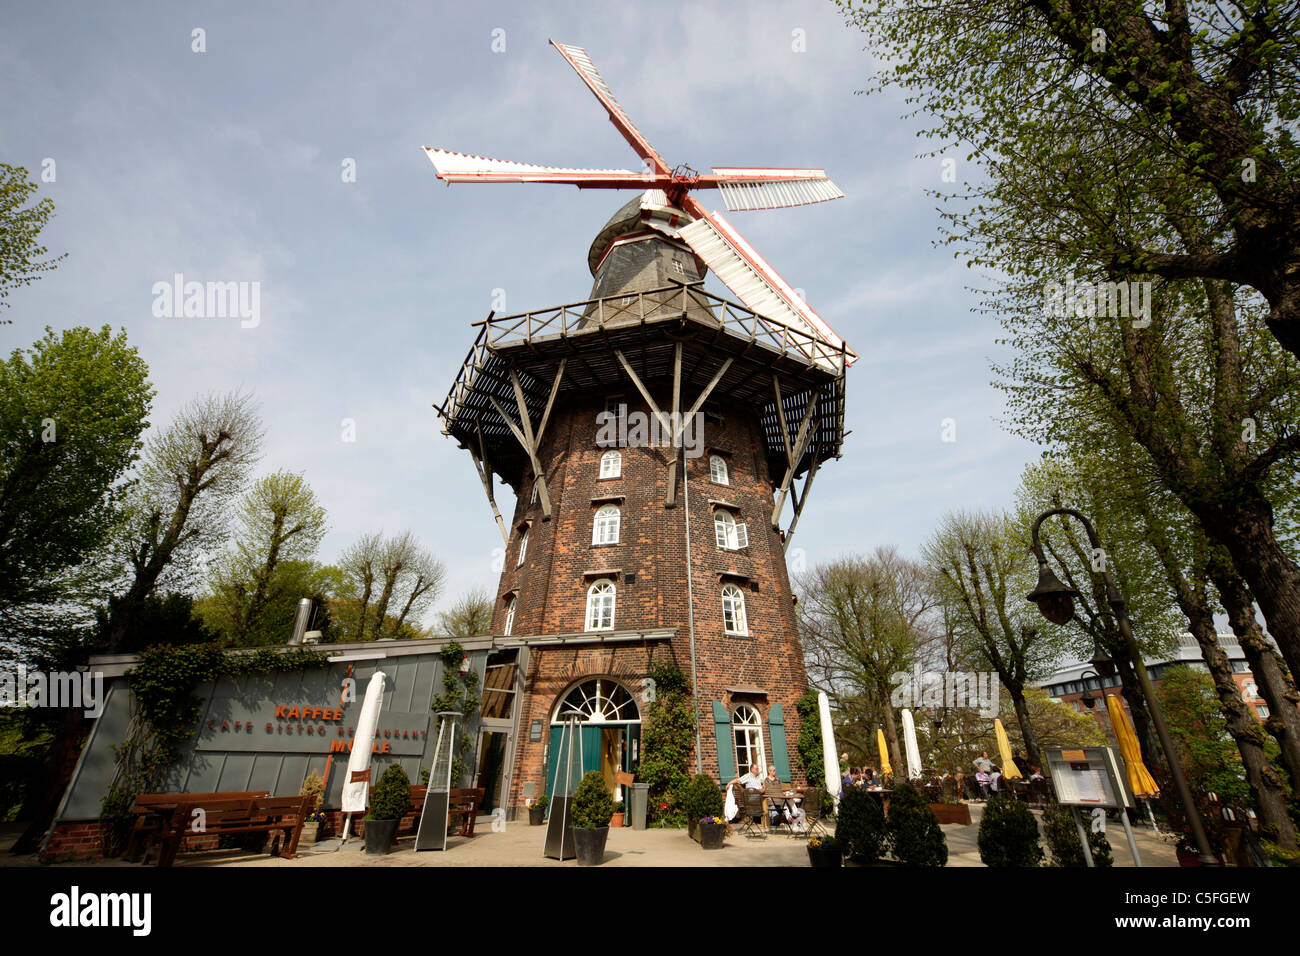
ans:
(550, 588)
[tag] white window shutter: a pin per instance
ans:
(742, 536)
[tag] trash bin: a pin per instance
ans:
(638, 800)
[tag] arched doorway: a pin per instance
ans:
(609, 731)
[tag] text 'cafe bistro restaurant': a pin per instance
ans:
(268, 732)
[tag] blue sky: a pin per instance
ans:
(226, 166)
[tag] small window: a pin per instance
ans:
(730, 535)
(605, 527)
(510, 617)
(1262, 710)
(733, 610)
(523, 548)
(537, 483)
(718, 470)
(611, 464)
(600, 606)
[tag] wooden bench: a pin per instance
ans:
(152, 811)
(221, 817)
(465, 805)
(418, 793)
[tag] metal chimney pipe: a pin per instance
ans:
(300, 621)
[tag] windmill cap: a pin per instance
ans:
(648, 210)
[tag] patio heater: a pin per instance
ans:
(559, 831)
(432, 834)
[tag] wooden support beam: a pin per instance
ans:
(713, 383)
(485, 476)
(550, 402)
(800, 501)
(780, 414)
(525, 438)
(645, 393)
(670, 498)
(799, 444)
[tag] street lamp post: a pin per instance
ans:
(1056, 603)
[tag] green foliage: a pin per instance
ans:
(469, 616)
(593, 805)
(1209, 756)
(20, 228)
(541, 802)
(810, 756)
(861, 826)
(702, 798)
(72, 411)
(913, 829)
(667, 740)
(1063, 840)
(313, 787)
(1009, 834)
(391, 798)
(169, 618)
(459, 694)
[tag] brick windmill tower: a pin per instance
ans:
(652, 435)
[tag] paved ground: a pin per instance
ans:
(521, 845)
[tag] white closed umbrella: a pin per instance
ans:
(356, 783)
(910, 745)
(830, 756)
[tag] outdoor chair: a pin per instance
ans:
(753, 814)
(775, 798)
(812, 809)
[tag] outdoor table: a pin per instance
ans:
(782, 801)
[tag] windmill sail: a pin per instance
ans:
(755, 282)
(773, 188)
(464, 168)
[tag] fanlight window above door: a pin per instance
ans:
(599, 701)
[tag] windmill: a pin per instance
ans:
(620, 552)
(668, 195)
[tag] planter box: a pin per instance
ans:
(712, 835)
(310, 832)
(589, 844)
(536, 816)
(616, 820)
(825, 856)
(379, 836)
(951, 812)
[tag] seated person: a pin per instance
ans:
(982, 779)
(995, 777)
(777, 789)
(1036, 775)
(752, 780)
(848, 780)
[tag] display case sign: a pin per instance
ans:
(1087, 777)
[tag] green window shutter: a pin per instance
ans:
(780, 756)
(726, 745)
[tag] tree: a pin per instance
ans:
(469, 616)
(280, 521)
(72, 409)
(863, 621)
(180, 507)
(20, 227)
(1200, 735)
(1199, 104)
(1095, 174)
(980, 567)
(397, 575)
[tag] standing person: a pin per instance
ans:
(982, 762)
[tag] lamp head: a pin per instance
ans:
(1055, 600)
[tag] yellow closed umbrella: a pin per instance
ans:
(1140, 780)
(1009, 769)
(884, 753)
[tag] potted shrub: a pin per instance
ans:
(1063, 840)
(861, 826)
(389, 802)
(590, 813)
(1009, 834)
(703, 798)
(913, 829)
(315, 788)
(617, 819)
(824, 851)
(537, 812)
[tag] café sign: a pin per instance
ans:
(271, 727)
